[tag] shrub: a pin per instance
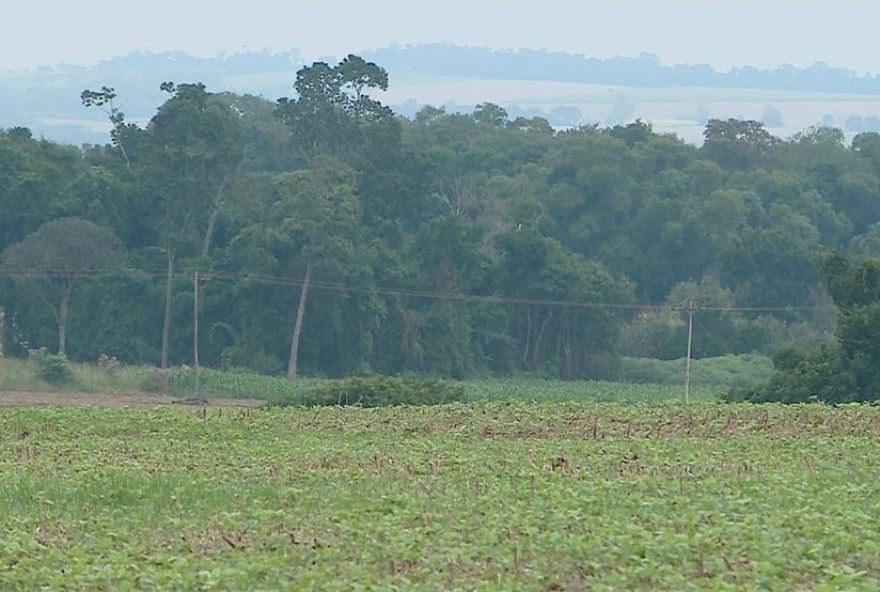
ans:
(745, 370)
(817, 375)
(378, 391)
(52, 368)
(108, 363)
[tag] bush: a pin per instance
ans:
(52, 368)
(378, 391)
(109, 363)
(745, 370)
(817, 375)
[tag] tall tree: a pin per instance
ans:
(52, 259)
(738, 144)
(318, 211)
(121, 131)
(194, 149)
(331, 105)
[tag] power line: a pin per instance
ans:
(405, 292)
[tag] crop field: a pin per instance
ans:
(269, 388)
(480, 496)
(711, 379)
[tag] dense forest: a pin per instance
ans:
(333, 236)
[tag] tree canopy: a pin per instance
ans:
(338, 237)
(49, 262)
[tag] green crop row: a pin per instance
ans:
(647, 381)
(305, 390)
(493, 496)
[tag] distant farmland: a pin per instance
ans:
(679, 110)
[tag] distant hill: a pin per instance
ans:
(47, 99)
(567, 89)
(645, 70)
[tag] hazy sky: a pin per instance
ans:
(723, 33)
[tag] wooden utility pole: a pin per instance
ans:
(687, 367)
(196, 369)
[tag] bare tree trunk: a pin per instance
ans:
(297, 328)
(166, 324)
(212, 218)
(124, 153)
(525, 354)
(537, 349)
(62, 321)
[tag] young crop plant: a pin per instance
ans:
(487, 496)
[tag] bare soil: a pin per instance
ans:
(141, 400)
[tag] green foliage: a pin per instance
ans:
(379, 391)
(625, 390)
(113, 377)
(714, 377)
(241, 384)
(567, 496)
(738, 144)
(333, 105)
(50, 261)
(453, 244)
(817, 375)
(739, 371)
(53, 368)
(848, 368)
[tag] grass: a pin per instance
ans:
(225, 384)
(488, 496)
(91, 378)
(731, 371)
(23, 375)
(557, 391)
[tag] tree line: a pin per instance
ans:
(341, 237)
(644, 70)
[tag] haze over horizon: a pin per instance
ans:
(724, 34)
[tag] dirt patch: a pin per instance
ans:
(141, 400)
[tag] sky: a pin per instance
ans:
(723, 33)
